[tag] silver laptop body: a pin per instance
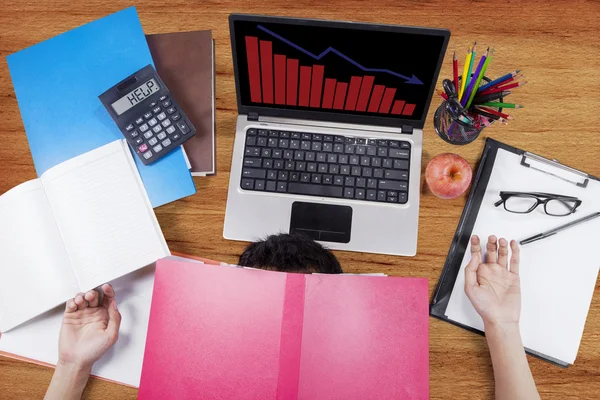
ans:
(348, 221)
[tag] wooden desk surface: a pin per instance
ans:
(556, 44)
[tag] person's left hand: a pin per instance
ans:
(90, 327)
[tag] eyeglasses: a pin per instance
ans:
(554, 204)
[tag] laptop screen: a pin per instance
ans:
(342, 68)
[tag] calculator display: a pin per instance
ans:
(135, 96)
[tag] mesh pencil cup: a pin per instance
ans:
(451, 129)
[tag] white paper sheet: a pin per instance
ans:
(558, 274)
(35, 271)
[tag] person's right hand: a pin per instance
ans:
(493, 289)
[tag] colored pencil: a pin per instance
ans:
(505, 82)
(444, 95)
(493, 112)
(480, 74)
(464, 75)
(476, 76)
(470, 70)
(486, 114)
(490, 97)
(499, 81)
(501, 88)
(500, 105)
(455, 70)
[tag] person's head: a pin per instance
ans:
(290, 253)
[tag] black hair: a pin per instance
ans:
(290, 253)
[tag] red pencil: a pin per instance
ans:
(455, 68)
(444, 95)
(493, 112)
(501, 88)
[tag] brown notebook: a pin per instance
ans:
(185, 63)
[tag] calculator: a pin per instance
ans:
(147, 115)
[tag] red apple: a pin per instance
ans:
(448, 175)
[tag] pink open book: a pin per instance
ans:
(219, 332)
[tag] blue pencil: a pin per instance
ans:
(498, 81)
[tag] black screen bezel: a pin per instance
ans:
(329, 116)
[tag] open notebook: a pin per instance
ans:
(84, 222)
(558, 274)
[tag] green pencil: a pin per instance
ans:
(479, 77)
(501, 105)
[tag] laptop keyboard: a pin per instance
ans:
(326, 165)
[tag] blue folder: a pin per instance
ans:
(57, 83)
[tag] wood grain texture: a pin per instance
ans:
(557, 45)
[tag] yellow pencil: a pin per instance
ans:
(465, 72)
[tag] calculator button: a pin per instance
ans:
(161, 136)
(166, 123)
(184, 128)
(161, 116)
(157, 128)
(148, 155)
(152, 141)
(176, 117)
(171, 110)
(157, 148)
(163, 97)
(143, 128)
(134, 134)
(166, 142)
(139, 141)
(166, 103)
(148, 134)
(152, 122)
(176, 136)
(143, 148)
(153, 104)
(139, 121)
(148, 115)
(170, 129)
(156, 110)
(129, 127)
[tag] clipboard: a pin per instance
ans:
(460, 242)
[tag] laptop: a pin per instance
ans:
(329, 131)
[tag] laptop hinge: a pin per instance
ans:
(252, 116)
(407, 129)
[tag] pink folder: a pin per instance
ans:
(231, 333)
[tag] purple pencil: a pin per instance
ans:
(467, 94)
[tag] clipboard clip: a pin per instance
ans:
(554, 163)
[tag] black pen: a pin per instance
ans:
(560, 228)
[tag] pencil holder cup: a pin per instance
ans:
(452, 128)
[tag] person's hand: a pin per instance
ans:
(493, 289)
(90, 327)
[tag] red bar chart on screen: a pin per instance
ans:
(277, 79)
(266, 63)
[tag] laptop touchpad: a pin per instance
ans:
(324, 222)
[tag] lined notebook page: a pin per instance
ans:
(35, 272)
(104, 215)
(558, 274)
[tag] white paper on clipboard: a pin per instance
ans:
(558, 274)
